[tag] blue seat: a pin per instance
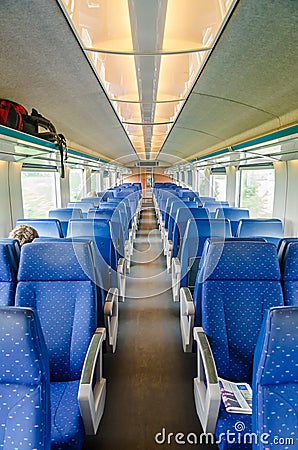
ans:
(179, 227)
(184, 269)
(270, 229)
(8, 274)
(173, 212)
(25, 420)
(281, 251)
(212, 206)
(242, 281)
(94, 200)
(57, 280)
(233, 214)
(100, 231)
(84, 206)
(275, 380)
(44, 227)
(64, 215)
(191, 305)
(289, 270)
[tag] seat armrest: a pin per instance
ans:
(169, 254)
(111, 318)
(206, 386)
(187, 318)
(121, 277)
(92, 389)
(176, 278)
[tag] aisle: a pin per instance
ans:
(149, 379)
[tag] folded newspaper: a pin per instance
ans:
(237, 397)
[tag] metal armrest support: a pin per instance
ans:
(176, 278)
(111, 318)
(127, 254)
(207, 396)
(92, 390)
(187, 318)
(121, 276)
(169, 254)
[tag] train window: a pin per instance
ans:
(76, 184)
(219, 186)
(257, 191)
(94, 182)
(189, 178)
(39, 191)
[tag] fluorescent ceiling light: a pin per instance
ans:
(147, 56)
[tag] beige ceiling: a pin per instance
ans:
(248, 86)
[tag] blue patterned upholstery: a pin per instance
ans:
(64, 215)
(182, 217)
(196, 233)
(25, 421)
(8, 273)
(242, 281)
(290, 274)
(234, 215)
(56, 280)
(270, 229)
(44, 227)
(275, 380)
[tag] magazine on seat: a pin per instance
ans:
(237, 397)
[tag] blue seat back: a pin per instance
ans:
(44, 227)
(24, 382)
(117, 228)
(84, 206)
(233, 214)
(99, 230)
(197, 294)
(242, 281)
(196, 233)
(182, 217)
(289, 271)
(15, 247)
(94, 200)
(173, 213)
(64, 215)
(8, 274)
(275, 379)
(283, 245)
(270, 229)
(57, 279)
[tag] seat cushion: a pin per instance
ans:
(67, 430)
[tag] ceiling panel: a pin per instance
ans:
(45, 68)
(248, 86)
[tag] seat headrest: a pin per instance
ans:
(276, 353)
(241, 261)
(232, 213)
(65, 213)
(88, 227)
(56, 261)
(260, 227)
(290, 263)
(206, 228)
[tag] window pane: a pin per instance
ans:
(257, 192)
(39, 193)
(75, 184)
(93, 183)
(219, 187)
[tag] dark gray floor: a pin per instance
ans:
(149, 378)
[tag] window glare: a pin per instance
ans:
(257, 192)
(219, 187)
(75, 184)
(39, 193)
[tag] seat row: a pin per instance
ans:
(239, 293)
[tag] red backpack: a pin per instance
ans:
(12, 114)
